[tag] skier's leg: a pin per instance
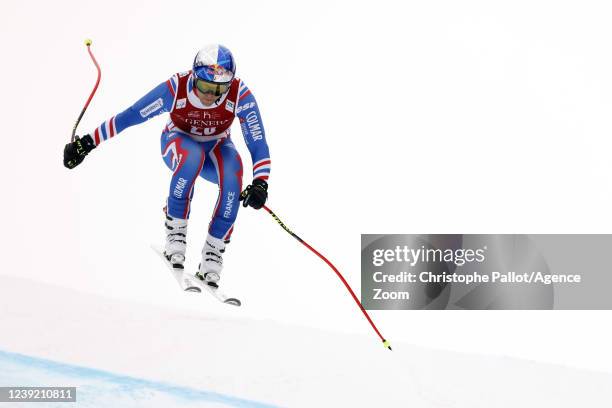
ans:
(226, 168)
(185, 157)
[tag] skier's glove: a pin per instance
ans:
(75, 152)
(255, 194)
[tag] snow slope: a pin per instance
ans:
(221, 353)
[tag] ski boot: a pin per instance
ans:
(176, 241)
(209, 270)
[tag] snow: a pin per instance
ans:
(213, 352)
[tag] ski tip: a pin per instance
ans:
(193, 289)
(233, 302)
(387, 345)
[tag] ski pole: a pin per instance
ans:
(348, 287)
(87, 43)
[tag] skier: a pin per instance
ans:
(196, 142)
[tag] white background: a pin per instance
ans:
(382, 117)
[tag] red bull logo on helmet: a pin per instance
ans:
(216, 69)
(217, 73)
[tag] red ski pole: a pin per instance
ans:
(87, 43)
(348, 287)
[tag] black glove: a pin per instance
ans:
(75, 152)
(255, 194)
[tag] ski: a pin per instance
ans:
(219, 295)
(192, 284)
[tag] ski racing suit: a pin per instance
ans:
(196, 142)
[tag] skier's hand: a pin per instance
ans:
(75, 152)
(255, 194)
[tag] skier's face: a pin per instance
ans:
(209, 92)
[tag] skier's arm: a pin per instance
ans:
(159, 100)
(253, 133)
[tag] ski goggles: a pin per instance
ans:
(211, 88)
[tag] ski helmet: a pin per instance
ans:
(214, 68)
